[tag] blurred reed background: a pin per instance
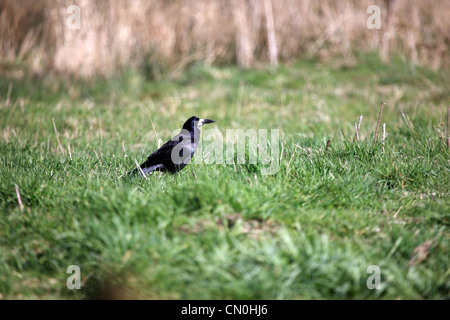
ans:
(166, 36)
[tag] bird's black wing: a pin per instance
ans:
(161, 159)
(162, 155)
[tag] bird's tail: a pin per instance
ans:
(143, 172)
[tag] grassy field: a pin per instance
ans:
(218, 231)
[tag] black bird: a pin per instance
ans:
(175, 154)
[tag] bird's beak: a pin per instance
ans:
(204, 121)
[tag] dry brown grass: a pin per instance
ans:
(168, 35)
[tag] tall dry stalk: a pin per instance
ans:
(328, 145)
(448, 125)
(379, 119)
(57, 136)
(270, 26)
(357, 128)
(19, 199)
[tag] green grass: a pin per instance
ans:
(215, 231)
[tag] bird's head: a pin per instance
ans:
(195, 122)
